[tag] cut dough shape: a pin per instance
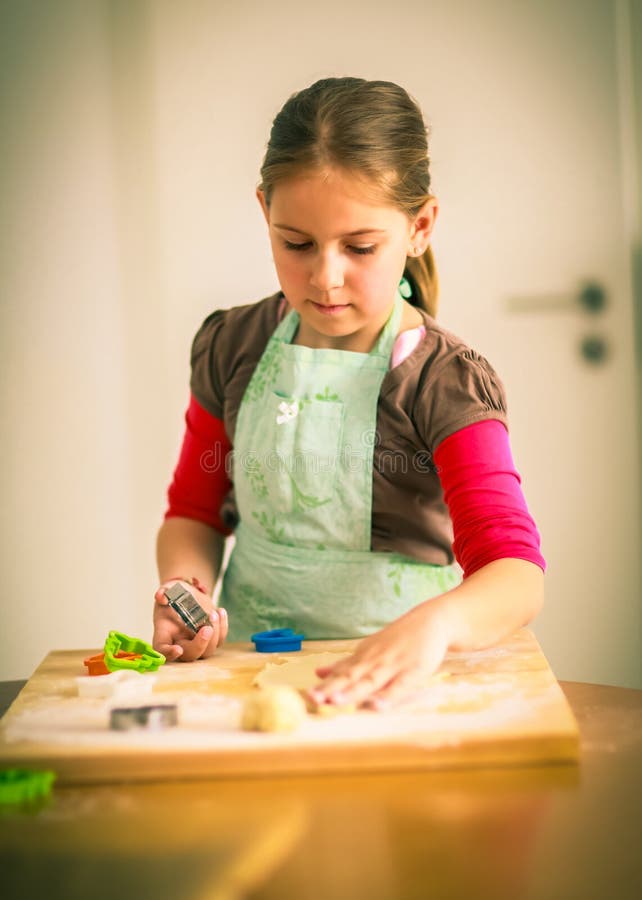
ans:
(276, 707)
(119, 685)
(298, 673)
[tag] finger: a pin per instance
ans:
(340, 669)
(323, 671)
(171, 652)
(166, 633)
(365, 686)
(224, 625)
(330, 690)
(164, 642)
(195, 647)
(366, 657)
(397, 691)
(351, 667)
(359, 682)
(215, 638)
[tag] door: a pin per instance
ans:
(527, 132)
(535, 258)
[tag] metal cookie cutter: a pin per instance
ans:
(148, 661)
(187, 607)
(278, 640)
(153, 718)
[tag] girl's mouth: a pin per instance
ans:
(332, 310)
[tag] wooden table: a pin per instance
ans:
(560, 831)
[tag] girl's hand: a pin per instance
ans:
(388, 666)
(174, 639)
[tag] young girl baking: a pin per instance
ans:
(371, 464)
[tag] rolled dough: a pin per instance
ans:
(276, 707)
(299, 672)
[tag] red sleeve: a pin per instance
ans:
(200, 480)
(483, 492)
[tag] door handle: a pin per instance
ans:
(594, 349)
(590, 298)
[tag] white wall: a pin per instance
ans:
(78, 514)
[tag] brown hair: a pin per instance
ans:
(375, 131)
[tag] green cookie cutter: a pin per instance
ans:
(149, 660)
(22, 785)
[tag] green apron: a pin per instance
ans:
(303, 465)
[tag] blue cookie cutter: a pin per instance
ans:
(278, 640)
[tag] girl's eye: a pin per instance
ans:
(290, 246)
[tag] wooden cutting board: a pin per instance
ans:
(501, 706)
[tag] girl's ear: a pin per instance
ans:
(261, 198)
(422, 226)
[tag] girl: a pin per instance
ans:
(370, 445)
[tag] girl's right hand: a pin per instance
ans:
(174, 639)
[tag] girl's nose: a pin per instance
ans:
(327, 272)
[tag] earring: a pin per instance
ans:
(417, 251)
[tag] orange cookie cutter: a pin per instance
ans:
(96, 664)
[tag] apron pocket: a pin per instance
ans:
(306, 436)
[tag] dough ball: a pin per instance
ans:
(273, 708)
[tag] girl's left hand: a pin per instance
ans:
(389, 666)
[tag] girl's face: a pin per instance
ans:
(339, 256)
